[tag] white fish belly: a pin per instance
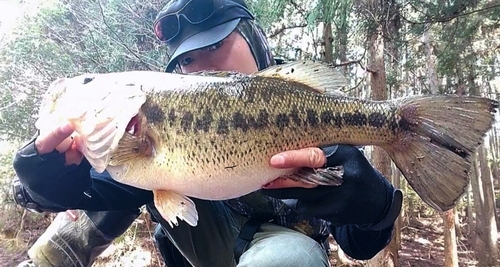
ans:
(225, 183)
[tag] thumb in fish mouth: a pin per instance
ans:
(282, 182)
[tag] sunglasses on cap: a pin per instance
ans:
(168, 25)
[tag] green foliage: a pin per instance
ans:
(267, 12)
(441, 11)
(6, 172)
(461, 44)
(325, 11)
(67, 38)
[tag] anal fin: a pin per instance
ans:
(172, 205)
(331, 176)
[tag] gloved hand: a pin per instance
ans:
(365, 198)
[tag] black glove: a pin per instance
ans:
(365, 198)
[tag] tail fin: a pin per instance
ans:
(441, 137)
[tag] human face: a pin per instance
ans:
(231, 54)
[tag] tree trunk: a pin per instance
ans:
(484, 240)
(328, 42)
(380, 159)
(489, 234)
(450, 239)
(470, 209)
(496, 149)
(495, 170)
(381, 37)
(431, 63)
(342, 35)
(393, 44)
(494, 156)
(458, 229)
(477, 195)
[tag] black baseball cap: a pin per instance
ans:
(188, 25)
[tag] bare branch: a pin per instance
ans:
(121, 42)
(356, 86)
(284, 28)
(368, 69)
(299, 8)
(451, 17)
(357, 61)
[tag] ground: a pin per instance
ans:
(422, 244)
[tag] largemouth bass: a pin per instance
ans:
(211, 135)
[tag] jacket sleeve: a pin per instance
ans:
(361, 244)
(55, 186)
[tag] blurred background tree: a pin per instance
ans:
(386, 49)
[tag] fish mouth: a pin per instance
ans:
(134, 126)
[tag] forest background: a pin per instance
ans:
(386, 49)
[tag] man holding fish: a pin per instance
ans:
(285, 224)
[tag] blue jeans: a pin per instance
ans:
(274, 245)
(211, 242)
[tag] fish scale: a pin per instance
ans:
(259, 113)
(211, 135)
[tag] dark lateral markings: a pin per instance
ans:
(327, 116)
(239, 121)
(294, 115)
(245, 122)
(171, 117)
(312, 117)
(222, 126)
(204, 123)
(282, 121)
(377, 119)
(153, 113)
(354, 119)
(187, 121)
(262, 120)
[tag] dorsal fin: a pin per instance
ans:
(322, 77)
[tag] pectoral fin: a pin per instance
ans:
(172, 205)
